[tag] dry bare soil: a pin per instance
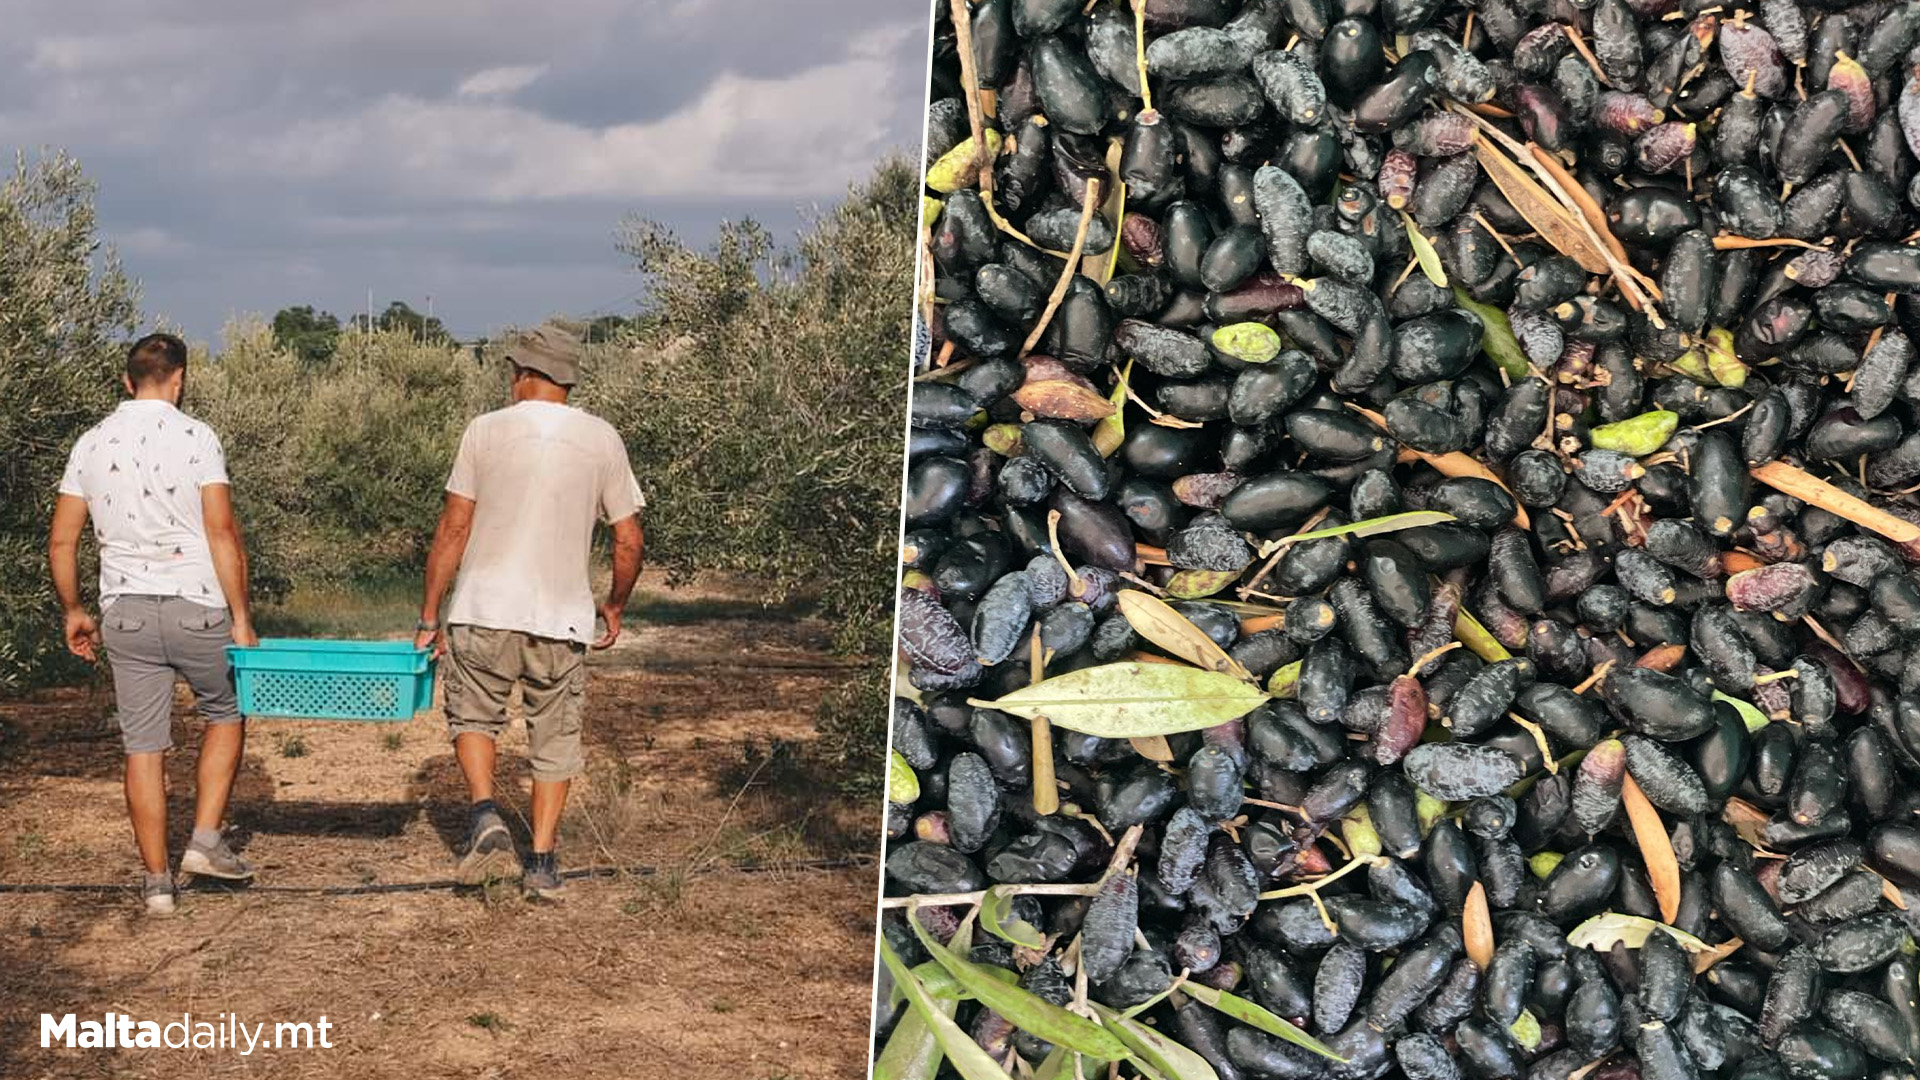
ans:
(698, 969)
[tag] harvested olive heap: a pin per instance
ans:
(1410, 541)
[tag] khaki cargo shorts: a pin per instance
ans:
(482, 667)
(152, 641)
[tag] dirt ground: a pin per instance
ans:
(698, 969)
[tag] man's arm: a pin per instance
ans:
(229, 558)
(629, 547)
(443, 561)
(63, 558)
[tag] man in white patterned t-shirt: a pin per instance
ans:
(173, 594)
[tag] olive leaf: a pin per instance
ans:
(1110, 432)
(1602, 931)
(996, 911)
(1656, 848)
(1248, 1012)
(1285, 681)
(1194, 584)
(920, 1039)
(1156, 620)
(1412, 519)
(1496, 336)
(1131, 698)
(1060, 399)
(1024, 1009)
(1057, 1065)
(1478, 640)
(1423, 252)
(1250, 342)
(903, 784)
(1749, 713)
(1159, 1053)
(958, 167)
(1555, 224)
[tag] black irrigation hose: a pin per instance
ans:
(844, 863)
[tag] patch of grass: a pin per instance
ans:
(723, 1006)
(30, 845)
(664, 610)
(487, 1021)
(381, 605)
(393, 740)
(292, 746)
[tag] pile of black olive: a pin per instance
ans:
(1639, 604)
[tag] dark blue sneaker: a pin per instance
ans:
(543, 878)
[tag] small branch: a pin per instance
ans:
(1073, 259)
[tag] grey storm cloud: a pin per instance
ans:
(250, 156)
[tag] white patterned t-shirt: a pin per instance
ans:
(141, 470)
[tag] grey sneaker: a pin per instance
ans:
(543, 879)
(490, 855)
(156, 892)
(217, 861)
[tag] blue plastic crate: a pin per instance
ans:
(319, 679)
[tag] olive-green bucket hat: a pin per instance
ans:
(550, 349)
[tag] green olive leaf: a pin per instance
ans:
(1412, 519)
(1111, 431)
(918, 1043)
(1024, 1009)
(1600, 932)
(996, 912)
(1194, 584)
(1496, 336)
(1423, 252)
(1159, 622)
(1749, 713)
(1131, 699)
(1285, 681)
(903, 784)
(1159, 1053)
(1248, 1012)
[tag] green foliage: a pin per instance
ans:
(338, 470)
(65, 305)
(309, 334)
(763, 400)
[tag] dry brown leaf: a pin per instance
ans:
(1552, 221)
(1892, 892)
(1748, 821)
(1060, 400)
(1454, 463)
(1152, 747)
(1704, 960)
(1154, 619)
(1476, 926)
(1656, 849)
(1661, 657)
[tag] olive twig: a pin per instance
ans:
(1087, 207)
(1434, 654)
(1046, 793)
(1074, 583)
(1599, 676)
(1314, 886)
(1140, 52)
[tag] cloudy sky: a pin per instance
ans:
(255, 155)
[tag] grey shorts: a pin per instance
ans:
(153, 640)
(482, 667)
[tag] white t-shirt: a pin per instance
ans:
(141, 470)
(540, 474)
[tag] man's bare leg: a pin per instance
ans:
(220, 749)
(146, 787)
(549, 799)
(475, 753)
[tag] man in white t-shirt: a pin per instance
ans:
(527, 487)
(173, 594)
